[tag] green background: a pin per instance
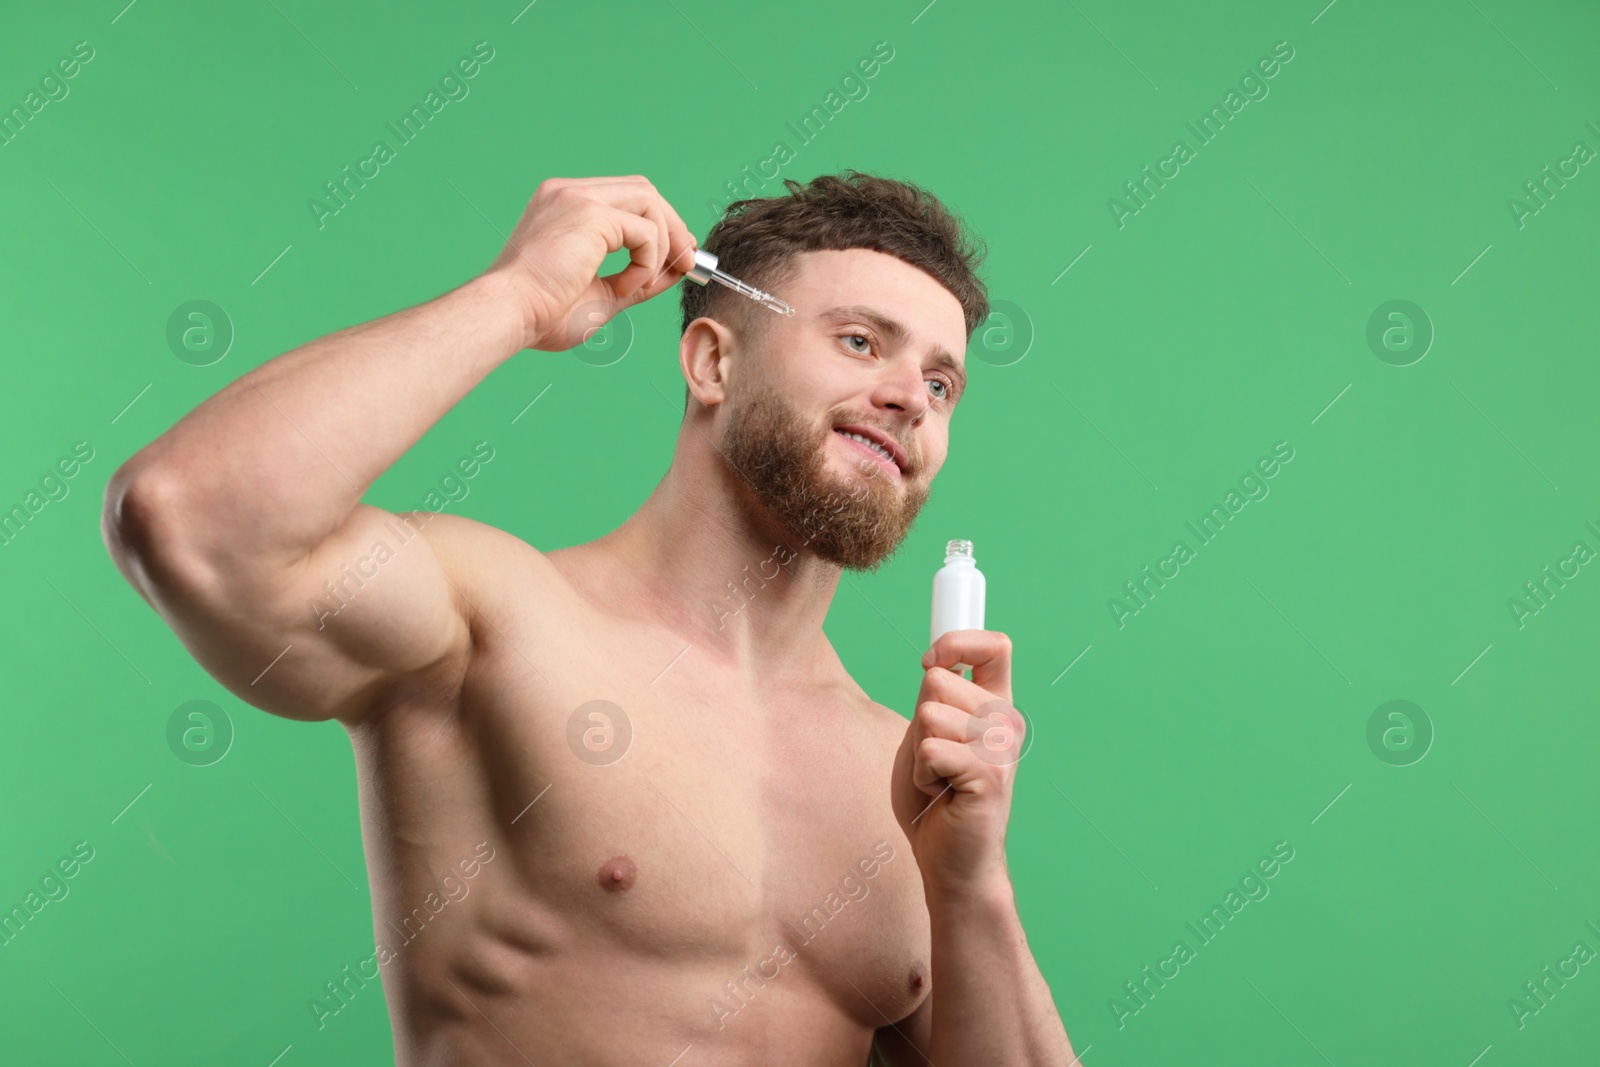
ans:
(1229, 314)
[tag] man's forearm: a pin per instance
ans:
(991, 1005)
(277, 460)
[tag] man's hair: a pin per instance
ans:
(756, 241)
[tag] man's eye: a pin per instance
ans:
(860, 337)
(944, 388)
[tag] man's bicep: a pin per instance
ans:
(905, 1043)
(371, 605)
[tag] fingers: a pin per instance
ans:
(936, 719)
(989, 652)
(942, 684)
(602, 179)
(659, 263)
(642, 237)
(678, 236)
(994, 729)
(974, 764)
(678, 246)
(656, 212)
(938, 761)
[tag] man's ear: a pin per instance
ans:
(705, 353)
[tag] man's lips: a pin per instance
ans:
(892, 463)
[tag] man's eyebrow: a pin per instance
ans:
(896, 331)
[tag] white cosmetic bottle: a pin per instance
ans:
(958, 590)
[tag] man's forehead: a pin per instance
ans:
(862, 282)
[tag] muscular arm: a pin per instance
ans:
(989, 1003)
(242, 523)
(230, 523)
(952, 789)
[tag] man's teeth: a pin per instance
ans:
(875, 446)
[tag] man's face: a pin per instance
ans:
(876, 348)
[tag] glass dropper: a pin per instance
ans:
(705, 271)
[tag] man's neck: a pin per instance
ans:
(734, 582)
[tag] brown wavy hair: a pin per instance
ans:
(756, 240)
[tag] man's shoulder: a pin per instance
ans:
(445, 526)
(468, 544)
(487, 567)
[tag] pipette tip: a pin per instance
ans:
(775, 304)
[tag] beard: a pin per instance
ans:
(856, 523)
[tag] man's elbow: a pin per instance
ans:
(141, 524)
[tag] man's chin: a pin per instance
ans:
(858, 482)
(844, 509)
(865, 554)
(859, 521)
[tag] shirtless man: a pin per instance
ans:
(693, 839)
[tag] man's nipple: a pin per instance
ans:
(618, 873)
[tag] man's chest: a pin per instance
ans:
(681, 813)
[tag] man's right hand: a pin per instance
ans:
(553, 259)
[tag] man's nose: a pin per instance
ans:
(904, 389)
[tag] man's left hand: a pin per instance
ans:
(953, 774)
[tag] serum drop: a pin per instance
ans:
(958, 590)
